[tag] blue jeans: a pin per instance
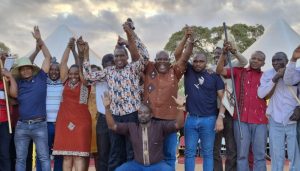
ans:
(199, 128)
(298, 133)
(170, 145)
(135, 166)
(58, 160)
(279, 134)
(39, 134)
(5, 138)
(256, 135)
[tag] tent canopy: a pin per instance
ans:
(279, 37)
(57, 42)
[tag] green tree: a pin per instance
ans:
(207, 38)
(4, 48)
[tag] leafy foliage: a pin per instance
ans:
(244, 35)
(4, 48)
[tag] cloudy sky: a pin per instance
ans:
(99, 21)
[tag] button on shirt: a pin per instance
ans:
(252, 108)
(32, 96)
(282, 102)
(123, 85)
(159, 89)
(149, 152)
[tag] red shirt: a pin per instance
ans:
(3, 112)
(252, 108)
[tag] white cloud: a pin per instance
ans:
(99, 21)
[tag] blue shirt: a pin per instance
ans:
(201, 88)
(32, 96)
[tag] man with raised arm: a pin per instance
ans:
(252, 110)
(161, 83)
(123, 82)
(5, 136)
(292, 77)
(147, 136)
(31, 91)
(227, 132)
(282, 130)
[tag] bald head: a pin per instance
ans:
(162, 54)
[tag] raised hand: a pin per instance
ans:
(227, 47)
(106, 99)
(71, 43)
(80, 45)
(131, 24)
(3, 56)
(86, 49)
(180, 100)
(122, 41)
(296, 54)
(36, 33)
(188, 31)
(6, 74)
(127, 28)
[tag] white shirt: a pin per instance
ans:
(101, 87)
(282, 102)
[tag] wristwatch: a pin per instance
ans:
(222, 115)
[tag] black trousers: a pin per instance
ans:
(227, 133)
(5, 139)
(103, 143)
(121, 149)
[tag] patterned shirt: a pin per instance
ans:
(123, 85)
(252, 108)
(159, 89)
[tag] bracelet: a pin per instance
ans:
(181, 107)
(222, 115)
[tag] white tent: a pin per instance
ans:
(277, 37)
(57, 42)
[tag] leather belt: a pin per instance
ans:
(32, 121)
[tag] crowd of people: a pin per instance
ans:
(127, 114)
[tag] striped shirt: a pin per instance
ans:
(53, 99)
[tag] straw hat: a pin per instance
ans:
(24, 61)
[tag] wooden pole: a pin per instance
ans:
(6, 99)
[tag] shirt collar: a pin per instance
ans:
(51, 82)
(255, 70)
